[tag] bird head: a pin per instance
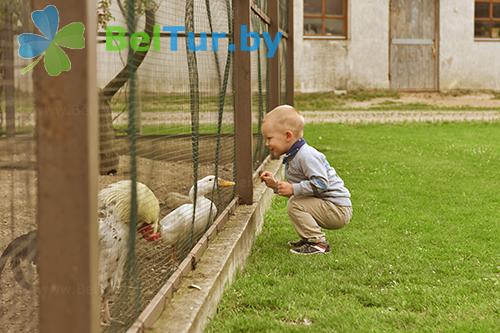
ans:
(148, 207)
(148, 212)
(206, 185)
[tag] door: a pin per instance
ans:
(413, 45)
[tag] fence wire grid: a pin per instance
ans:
(166, 123)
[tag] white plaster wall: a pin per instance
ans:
(361, 61)
(465, 63)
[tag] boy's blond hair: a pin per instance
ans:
(287, 118)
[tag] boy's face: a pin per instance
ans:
(277, 141)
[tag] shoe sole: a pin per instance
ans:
(307, 254)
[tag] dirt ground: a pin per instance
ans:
(478, 99)
(363, 117)
(155, 262)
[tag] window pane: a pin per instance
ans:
(496, 10)
(335, 7)
(312, 26)
(495, 30)
(312, 7)
(482, 9)
(335, 27)
(481, 29)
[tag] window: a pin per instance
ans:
(487, 19)
(325, 18)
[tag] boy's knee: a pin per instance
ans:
(295, 206)
(292, 202)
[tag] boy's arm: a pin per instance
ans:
(281, 188)
(315, 169)
(267, 177)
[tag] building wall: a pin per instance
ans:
(361, 61)
(465, 63)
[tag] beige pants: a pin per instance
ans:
(310, 214)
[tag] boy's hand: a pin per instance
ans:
(267, 177)
(285, 189)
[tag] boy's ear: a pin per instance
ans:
(289, 135)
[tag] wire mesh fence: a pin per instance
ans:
(18, 283)
(166, 147)
(184, 133)
(18, 191)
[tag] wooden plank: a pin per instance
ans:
(257, 172)
(413, 58)
(67, 157)
(274, 62)
(154, 309)
(260, 13)
(242, 106)
(412, 67)
(412, 41)
(217, 226)
(8, 80)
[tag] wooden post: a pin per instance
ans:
(8, 66)
(290, 71)
(274, 62)
(242, 105)
(67, 161)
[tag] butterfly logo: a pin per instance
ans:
(49, 46)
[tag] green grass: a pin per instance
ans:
(400, 106)
(329, 101)
(162, 102)
(421, 253)
(176, 129)
(151, 102)
(179, 129)
(20, 130)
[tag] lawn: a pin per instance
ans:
(383, 100)
(422, 252)
(388, 100)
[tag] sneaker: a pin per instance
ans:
(311, 248)
(298, 243)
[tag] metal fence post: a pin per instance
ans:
(67, 162)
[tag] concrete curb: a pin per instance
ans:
(190, 308)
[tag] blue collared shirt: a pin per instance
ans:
(294, 149)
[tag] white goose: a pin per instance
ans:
(175, 228)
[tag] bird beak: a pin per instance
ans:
(149, 232)
(225, 183)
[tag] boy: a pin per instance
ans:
(318, 197)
